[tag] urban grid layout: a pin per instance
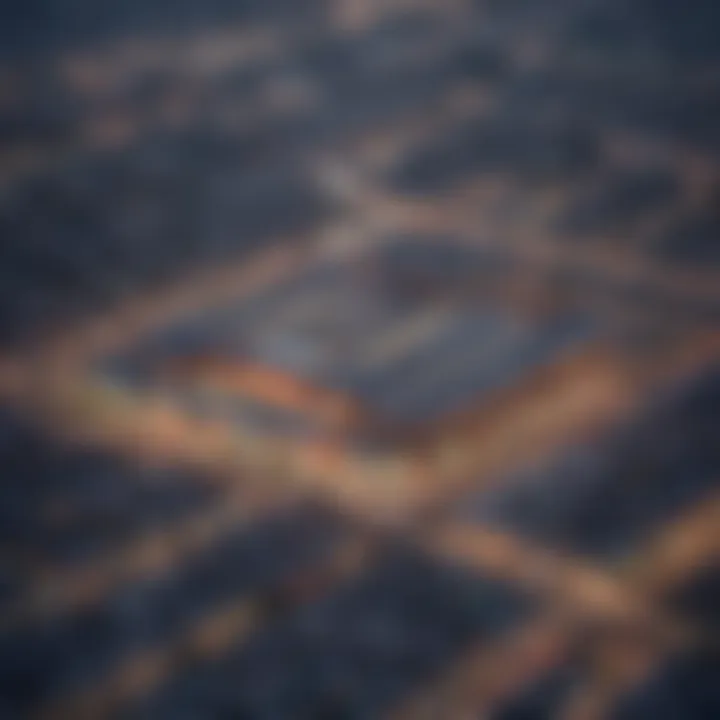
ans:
(359, 360)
